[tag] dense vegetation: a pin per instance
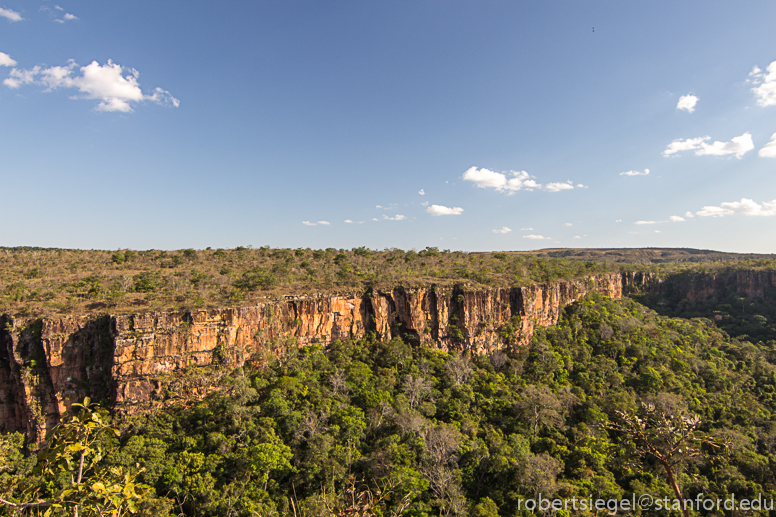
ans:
(397, 429)
(47, 282)
(51, 282)
(455, 435)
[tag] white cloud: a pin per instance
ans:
(645, 222)
(113, 85)
(569, 224)
(397, 217)
(677, 218)
(348, 221)
(511, 182)
(743, 207)
(308, 223)
(443, 210)
(325, 223)
(769, 151)
(557, 187)
(766, 89)
(739, 146)
(5, 60)
(687, 103)
(20, 77)
(422, 192)
(635, 173)
(618, 220)
(689, 214)
(687, 144)
(69, 16)
(658, 231)
(526, 229)
(163, 98)
(11, 15)
(537, 237)
(503, 229)
(485, 178)
(577, 237)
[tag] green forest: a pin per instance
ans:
(593, 408)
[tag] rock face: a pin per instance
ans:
(129, 361)
(700, 287)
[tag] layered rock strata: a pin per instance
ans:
(129, 361)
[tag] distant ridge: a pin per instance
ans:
(647, 255)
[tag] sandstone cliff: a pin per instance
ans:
(695, 286)
(129, 361)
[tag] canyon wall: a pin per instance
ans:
(131, 361)
(695, 286)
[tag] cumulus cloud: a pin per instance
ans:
(687, 103)
(422, 192)
(526, 229)
(743, 207)
(114, 86)
(739, 146)
(5, 60)
(645, 222)
(765, 91)
(308, 223)
(537, 237)
(557, 187)
(687, 144)
(635, 173)
(397, 217)
(19, 77)
(11, 15)
(443, 210)
(677, 218)
(503, 229)
(689, 214)
(512, 181)
(485, 178)
(769, 151)
(66, 18)
(348, 221)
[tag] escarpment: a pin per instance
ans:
(698, 286)
(133, 361)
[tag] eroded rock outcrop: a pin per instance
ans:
(129, 361)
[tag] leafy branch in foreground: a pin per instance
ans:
(68, 478)
(359, 499)
(671, 438)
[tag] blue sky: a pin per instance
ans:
(463, 125)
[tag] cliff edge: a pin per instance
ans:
(131, 361)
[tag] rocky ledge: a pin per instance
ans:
(129, 361)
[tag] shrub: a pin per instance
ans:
(147, 282)
(256, 278)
